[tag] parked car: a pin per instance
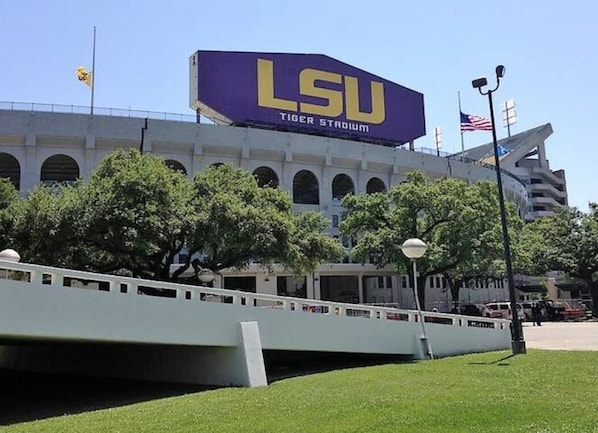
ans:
(527, 309)
(562, 310)
(468, 310)
(571, 309)
(471, 309)
(503, 309)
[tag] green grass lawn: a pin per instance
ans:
(543, 391)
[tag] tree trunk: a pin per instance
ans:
(593, 285)
(454, 286)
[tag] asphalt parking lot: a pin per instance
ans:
(562, 335)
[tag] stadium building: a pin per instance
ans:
(320, 132)
(524, 155)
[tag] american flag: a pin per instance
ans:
(469, 122)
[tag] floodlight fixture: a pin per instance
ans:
(500, 71)
(479, 83)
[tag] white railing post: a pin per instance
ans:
(236, 299)
(36, 278)
(57, 279)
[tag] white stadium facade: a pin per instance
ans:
(49, 143)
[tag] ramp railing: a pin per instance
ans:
(40, 277)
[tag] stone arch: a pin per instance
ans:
(11, 169)
(342, 185)
(176, 166)
(266, 177)
(375, 185)
(305, 188)
(59, 168)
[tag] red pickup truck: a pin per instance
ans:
(564, 310)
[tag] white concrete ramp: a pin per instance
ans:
(167, 331)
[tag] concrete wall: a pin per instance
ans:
(32, 137)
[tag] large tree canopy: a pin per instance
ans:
(566, 241)
(476, 239)
(235, 220)
(460, 224)
(47, 226)
(135, 215)
(135, 211)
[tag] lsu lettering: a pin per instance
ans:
(335, 101)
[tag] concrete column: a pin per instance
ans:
(90, 153)
(266, 283)
(309, 286)
(317, 294)
(250, 352)
(30, 167)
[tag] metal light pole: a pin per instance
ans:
(517, 341)
(509, 115)
(437, 140)
(414, 249)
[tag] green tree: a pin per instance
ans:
(566, 241)
(310, 245)
(47, 225)
(135, 214)
(236, 221)
(458, 222)
(587, 252)
(477, 239)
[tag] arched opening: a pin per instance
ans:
(217, 164)
(266, 177)
(11, 169)
(59, 168)
(305, 188)
(375, 185)
(341, 186)
(175, 166)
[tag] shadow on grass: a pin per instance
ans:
(30, 396)
(286, 364)
(26, 396)
(500, 361)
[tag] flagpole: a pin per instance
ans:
(93, 68)
(462, 145)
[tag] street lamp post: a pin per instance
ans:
(206, 276)
(517, 341)
(414, 249)
(9, 255)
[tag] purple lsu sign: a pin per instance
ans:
(308, 93)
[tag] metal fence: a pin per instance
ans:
(466, 160)
(101, 111)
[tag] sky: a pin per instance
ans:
(434, 47)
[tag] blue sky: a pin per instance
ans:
(433, 47)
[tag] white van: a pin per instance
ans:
(504, 308)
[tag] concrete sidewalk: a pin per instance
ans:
(562, 335)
